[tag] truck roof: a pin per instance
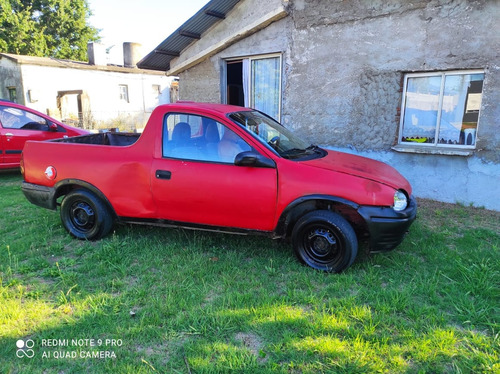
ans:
(220, 108)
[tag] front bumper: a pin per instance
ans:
(387, 227)
(40, 195)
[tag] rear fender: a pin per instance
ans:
(66, 186)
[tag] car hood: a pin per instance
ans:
(362, 167)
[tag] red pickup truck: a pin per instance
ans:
(223, 168)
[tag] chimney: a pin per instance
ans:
(131, 54)
(96, 53)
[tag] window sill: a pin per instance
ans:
(433, 150)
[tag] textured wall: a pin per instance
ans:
(10, 76)
(344, 62)
(200, 83)
(354, 53)
(203, 81)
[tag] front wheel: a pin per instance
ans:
(325, 241)
(85, 216)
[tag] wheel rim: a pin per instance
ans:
(82, 216)
(323, 246)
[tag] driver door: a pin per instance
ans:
(197, 182)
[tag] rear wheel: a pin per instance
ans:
(85, 216)
(325, 241)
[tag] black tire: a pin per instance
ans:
(325, 241)
(85, 216)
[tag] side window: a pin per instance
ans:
(13, 118)
(192, 137)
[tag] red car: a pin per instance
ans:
(222, 168)
(19, 124)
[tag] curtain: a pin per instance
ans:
(453, 108)
(246, 78)
(265, 78)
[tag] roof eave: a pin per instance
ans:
(213, 12)
(257, 25)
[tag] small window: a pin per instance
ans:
(123, 93)
(156, 91)
(441, 109)
(12, 94)
(14, 118)
(192, 137)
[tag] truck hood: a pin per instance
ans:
(362, 167)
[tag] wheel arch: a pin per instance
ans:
(64, 187)
(303, 205)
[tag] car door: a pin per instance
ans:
(196, 181)
(2, 146)
(18, 126)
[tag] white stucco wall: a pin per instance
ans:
(102, 89)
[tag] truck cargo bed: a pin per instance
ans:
(107, 138)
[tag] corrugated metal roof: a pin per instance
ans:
(214, 11)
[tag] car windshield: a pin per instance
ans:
(274, 136)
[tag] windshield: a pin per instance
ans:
(274, 136)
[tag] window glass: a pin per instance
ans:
(421, 111)
(123, 93)
(14, 118)
(193, 137)
(266, 86)
(276, 137)
(12, 94)
(155, 91)
(442, 109)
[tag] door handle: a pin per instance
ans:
(163, 174)
(9, 134)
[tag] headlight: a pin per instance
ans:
(400, 201)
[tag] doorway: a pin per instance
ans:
(235, 93)
(74, 107)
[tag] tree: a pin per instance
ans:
(50, 28)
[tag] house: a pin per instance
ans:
(414, 84)
(92, 95)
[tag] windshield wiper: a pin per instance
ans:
(296, 152)
(313, 147)
(299, 152)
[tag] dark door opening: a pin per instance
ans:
(235, 93)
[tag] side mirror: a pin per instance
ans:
(53, 127)
(255, 159)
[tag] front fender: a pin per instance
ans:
(305, 204)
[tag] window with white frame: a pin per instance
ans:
(254, 82)
(123, 93)
(441, 109)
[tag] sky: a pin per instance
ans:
(147, 22)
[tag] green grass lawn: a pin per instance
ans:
(152, 300)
